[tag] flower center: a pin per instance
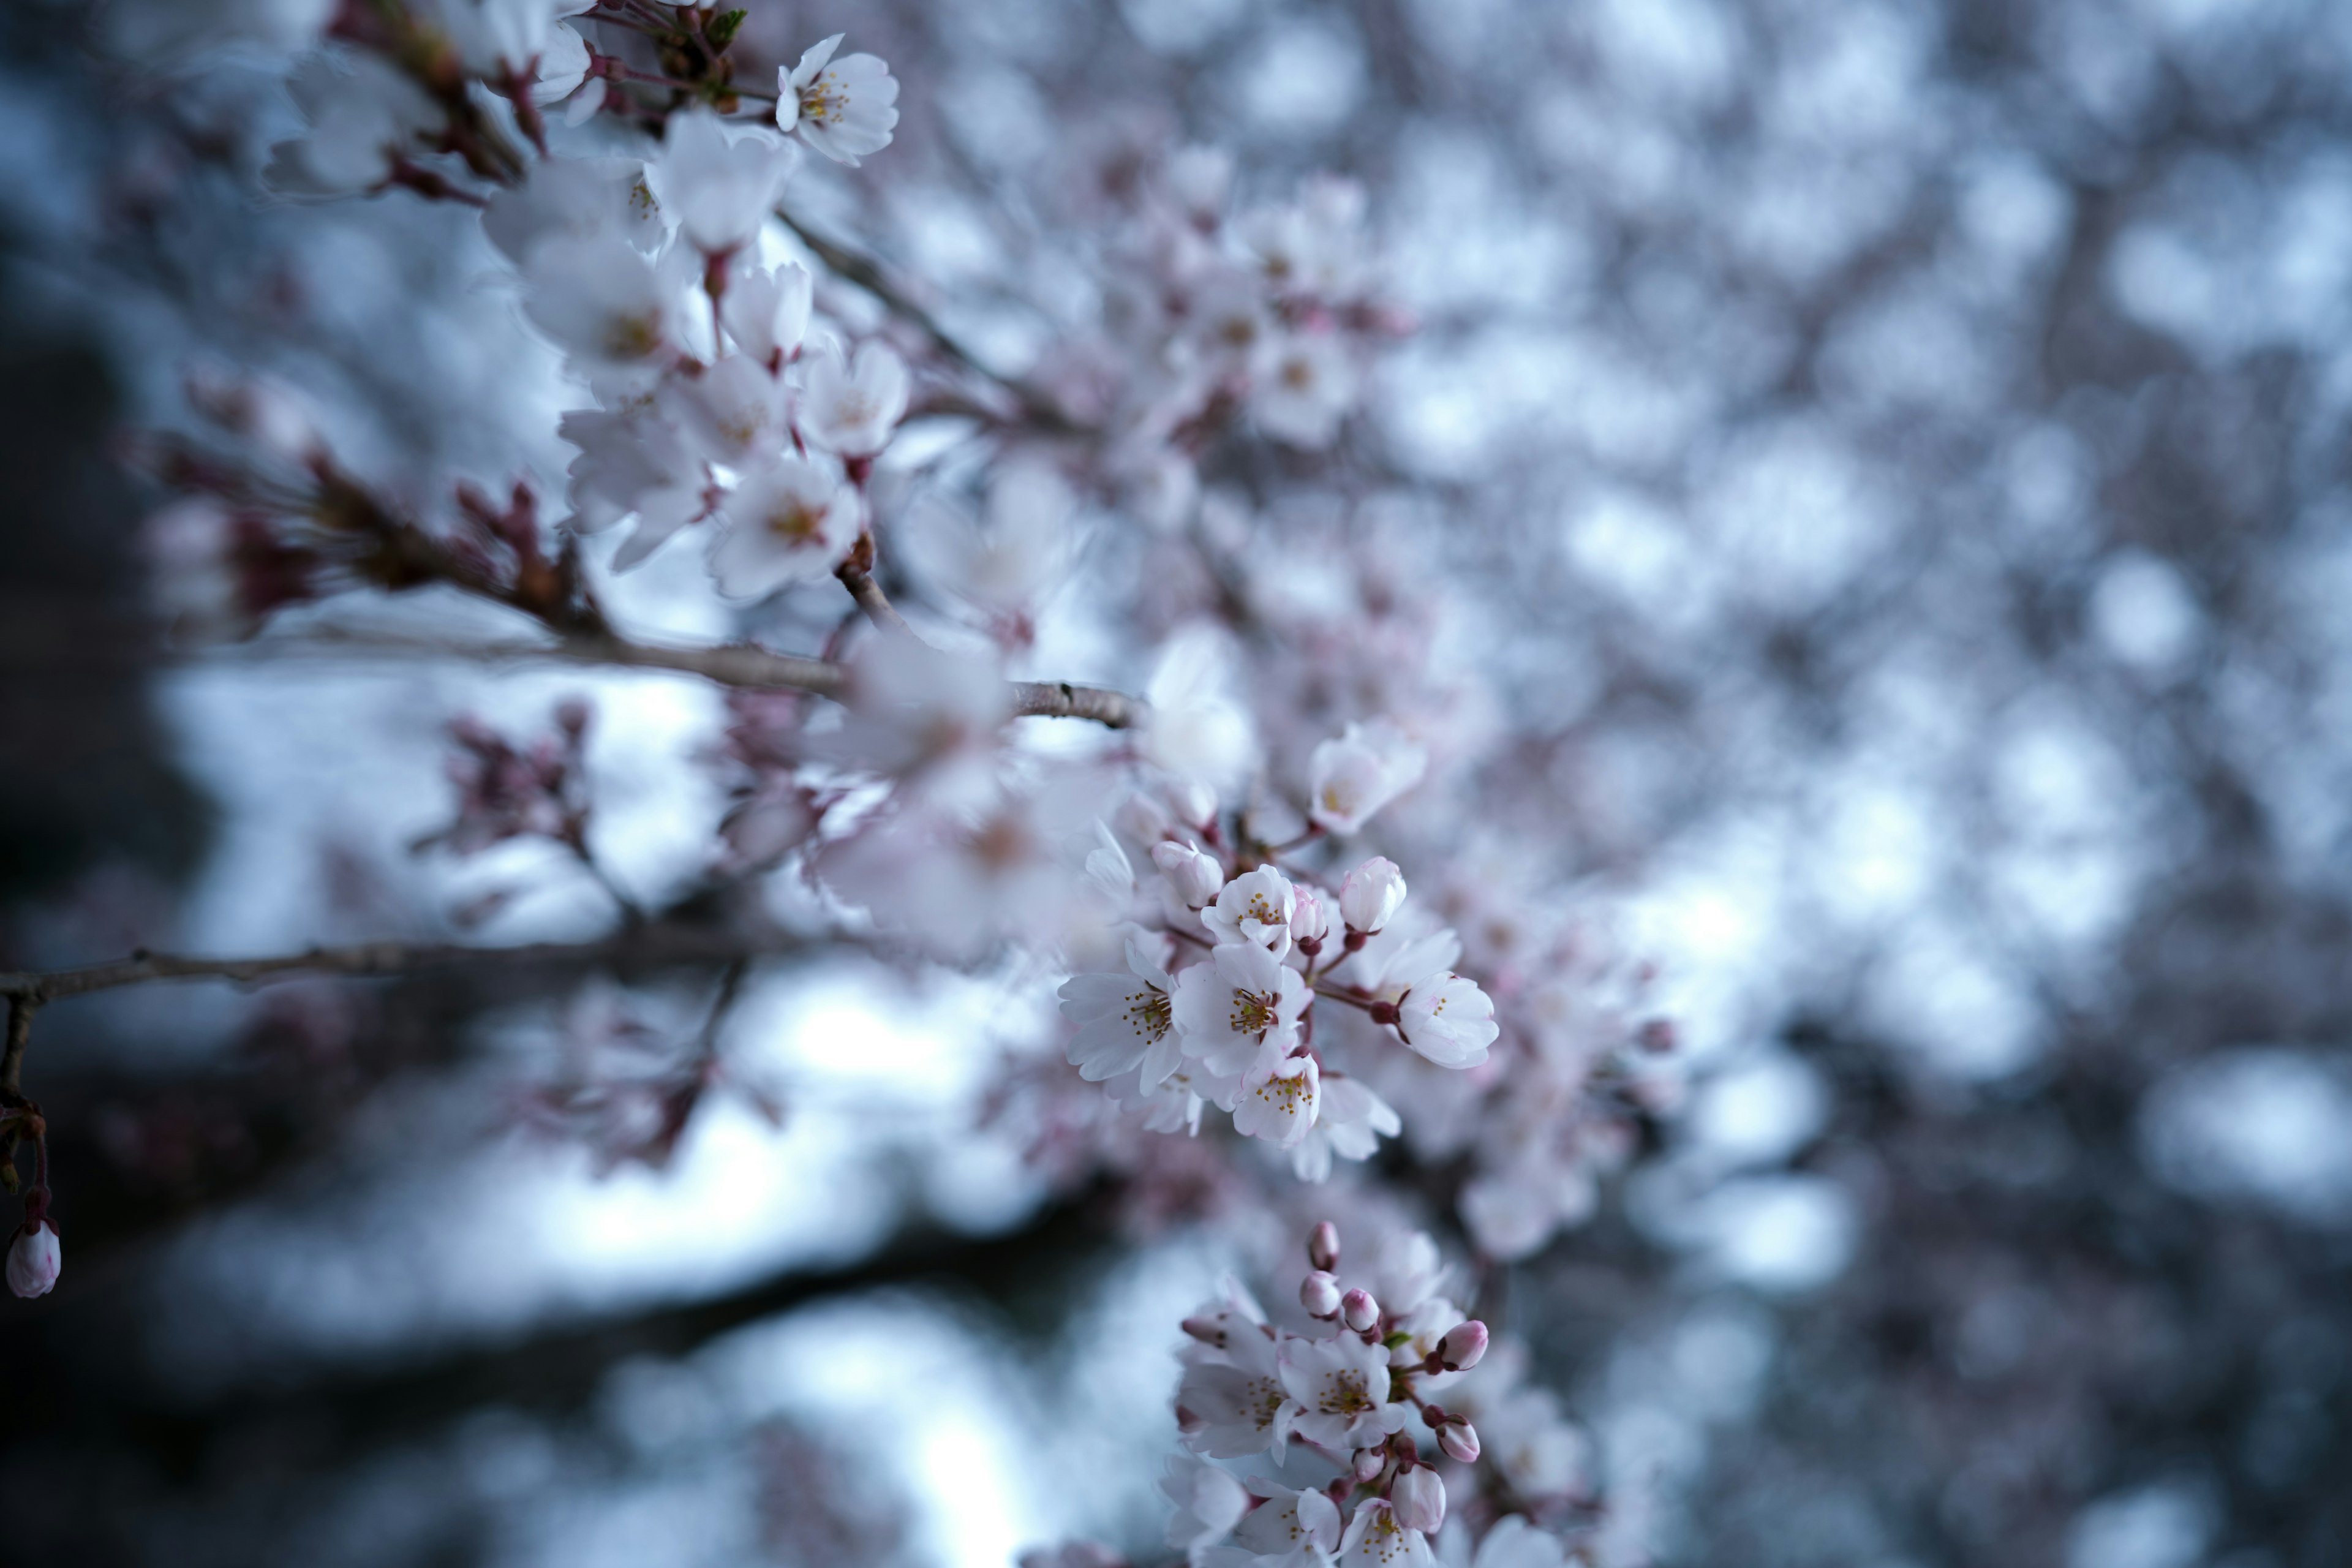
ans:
(1148, 1015)
(1252, 1013)
(1345, 1395)
(797, 524)
(823, 100)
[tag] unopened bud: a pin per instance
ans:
(1309, 919)
(1319, 1294)
(1195, 803)
(1370, 1463)
(36, 1260)
(1371, 895)
(1419, 1498)
(1196, 877)
(1323, 1246)
(1358, 1311)
(1208, 1330)
(1463, 1346)
(1460, 1441)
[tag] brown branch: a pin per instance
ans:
(12, 1056)
(742, 665)
(652, 943)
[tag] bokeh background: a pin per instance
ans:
(1899, 448)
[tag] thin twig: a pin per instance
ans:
(12, 1056)
(871, 599)
(649, 944)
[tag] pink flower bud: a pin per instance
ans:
(1460, 1440)
(1323, 1246)
(36, 1260)
(1319, 1294)
(1370, 1463)
(1371, 895)
(1309, 919)
(1419, 1498)
(1358, 1311)
(1196, 877)
(1463, 1345)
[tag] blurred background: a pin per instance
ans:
(1898, 450)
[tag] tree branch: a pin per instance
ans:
(742, 665)
(646, 944)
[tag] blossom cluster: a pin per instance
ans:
(1320, 1437)
(1224, 963)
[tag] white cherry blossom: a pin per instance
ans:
(1301, 385)
(735, 408)
(1362, 771)
(1241, 1008)
(606, 304)
(1341, 1389)
(1278, 1102)
(767, 312)
(793, 522)
(1371, 895)
(851, 407)
(364, 116)
(1194, 877)
(1255, 907)
(1448, 1020)
(1378, 1538)
(719, 183)
(1289, 1528)
(1125, 1020)
(1236, 1407)
(846, 109)
(1209, 1502)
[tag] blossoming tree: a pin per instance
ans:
(1283, 954)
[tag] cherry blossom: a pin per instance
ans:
(717, 184)
(1289, 1528)
(1371, 896)
(792, 522)
(1448, 1019)
(1209, 1502)
(365, 116)
(1278, 1102)
(1241, 1008)
(1126, 1021)
(846, 109)
(766, 312)
(1341, 1389)
(1359, 772)
(851, 407)
(1255, 907)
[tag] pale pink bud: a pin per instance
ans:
(1371, 895)
(1309, 919)
(1460, 1440)
(36, 1260)
(1358, 1311)
(1419, 1498)
(1463, 1345)
(1323, 1246)
(1371, 1463)
(1196, 877)
(1319, 1294)
(1195, 803)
